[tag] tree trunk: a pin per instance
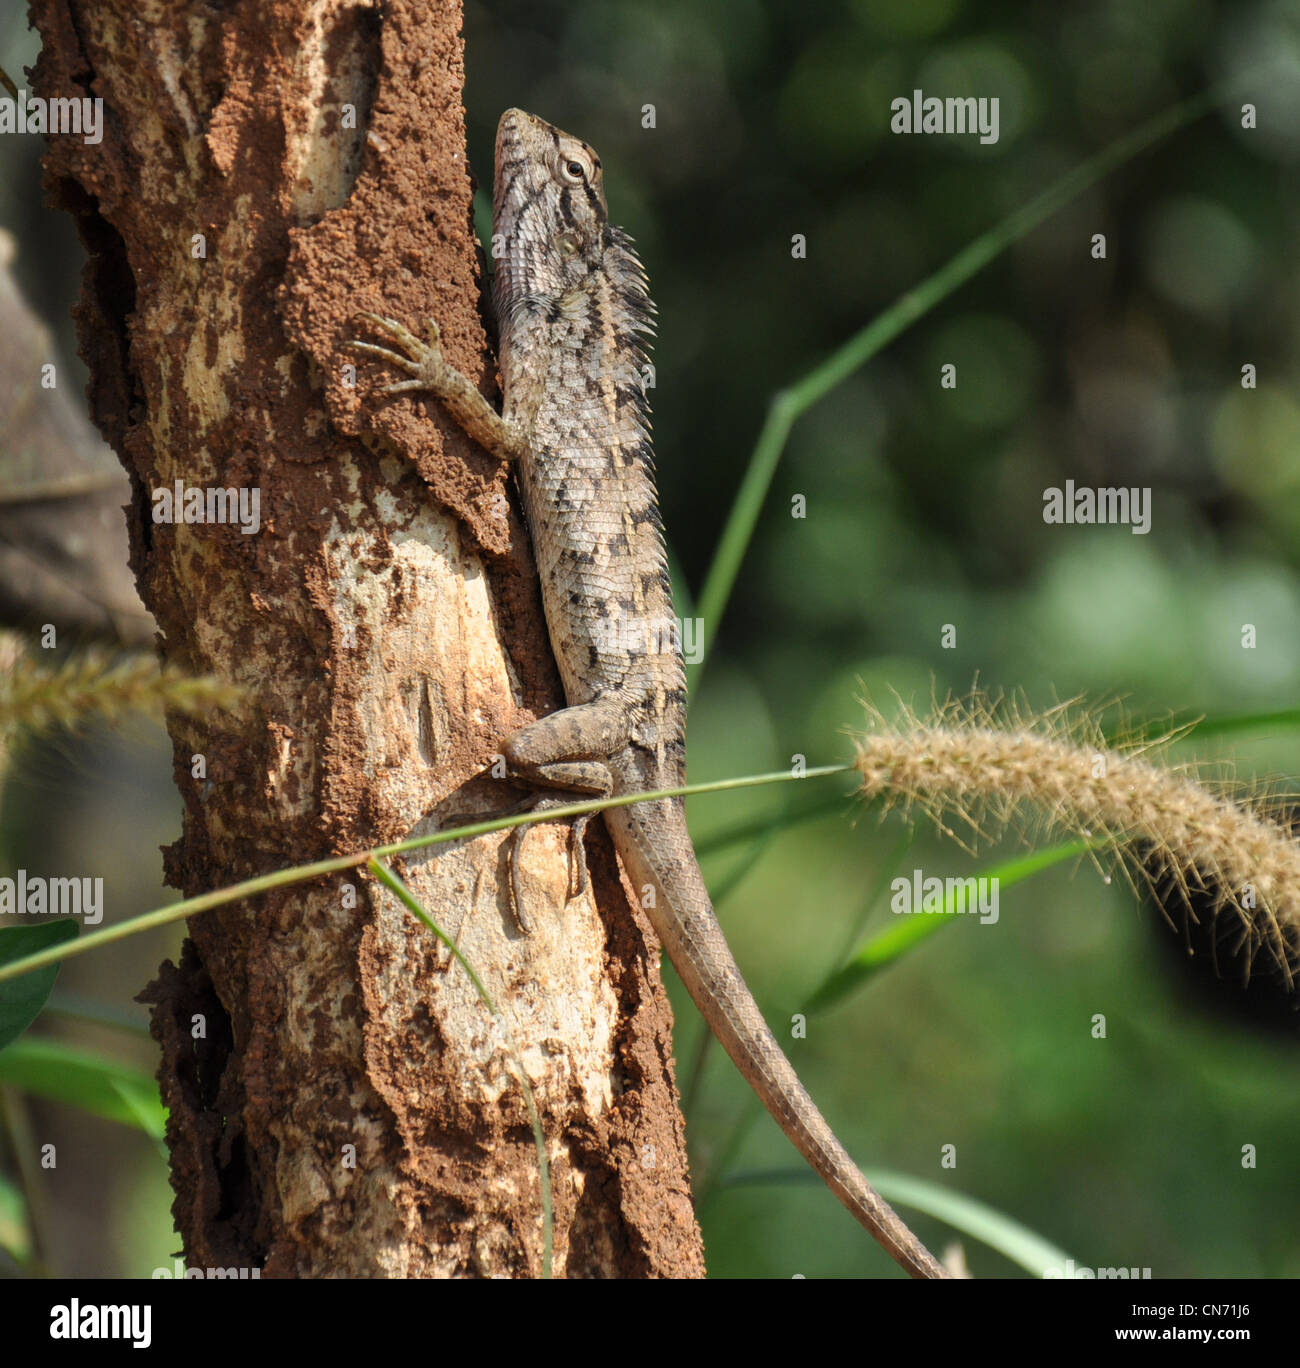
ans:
(341, 1103)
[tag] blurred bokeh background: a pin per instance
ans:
(924, 508)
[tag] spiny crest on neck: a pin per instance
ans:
(633, 314)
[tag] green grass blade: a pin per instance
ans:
(336, 864)
(1284, 719)
(974, 1219)
(909, 932)
(789, 404)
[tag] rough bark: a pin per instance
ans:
(386, 620)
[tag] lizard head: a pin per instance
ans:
(551, 221)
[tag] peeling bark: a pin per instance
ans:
(386, 620)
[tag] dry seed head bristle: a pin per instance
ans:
(93, 685)
(978, 762)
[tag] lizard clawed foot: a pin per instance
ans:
(523, 918)
(420, 360)
(579, 878)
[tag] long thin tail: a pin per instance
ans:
(656, 849)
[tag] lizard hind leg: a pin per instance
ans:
(566, 751)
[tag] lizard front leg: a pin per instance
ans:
(566, 750)
(424, 363)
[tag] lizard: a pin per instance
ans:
(575, 318)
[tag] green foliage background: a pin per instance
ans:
(924, 508)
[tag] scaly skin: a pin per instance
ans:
(574, 314)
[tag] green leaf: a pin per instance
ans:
(985, 1223)
(15, 1233)
(1285, 719)
(21, 999)
(103, 1087)
(909, 932)
(974, 1219)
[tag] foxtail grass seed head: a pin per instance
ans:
(976, 766)
(93, 685)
